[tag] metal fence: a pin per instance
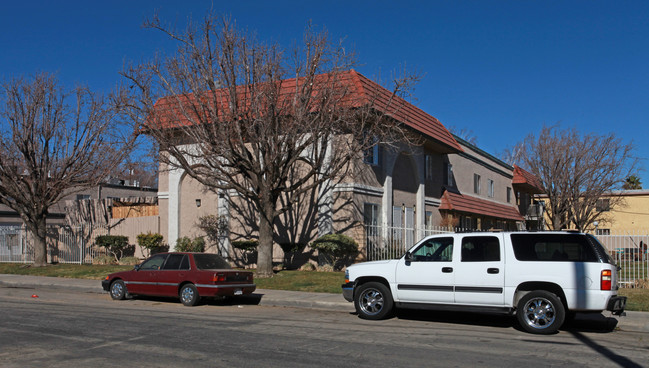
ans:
(71, 244)
(628, 248)
(65, 244)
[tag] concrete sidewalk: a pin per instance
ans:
(633, 321)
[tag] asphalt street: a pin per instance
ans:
(76, 328)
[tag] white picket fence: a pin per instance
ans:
(628, 248)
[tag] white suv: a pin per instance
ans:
(539, 276)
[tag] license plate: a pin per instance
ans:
(238, 292)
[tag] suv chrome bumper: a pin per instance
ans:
(348, 291)
(616, 305)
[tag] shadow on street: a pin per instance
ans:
(596, 323)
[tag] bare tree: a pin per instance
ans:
(142, 172)
(464, 133)
(266, 122)
(576, 171)
(512, 155)
(52, 143)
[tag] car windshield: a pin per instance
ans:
(210, 262)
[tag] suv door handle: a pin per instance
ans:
(493, 270)
(447, 269)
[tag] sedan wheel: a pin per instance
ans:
(118, 290)
(189, 295)
(540, 312)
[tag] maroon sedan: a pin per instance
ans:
(188, 276)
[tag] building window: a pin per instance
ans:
(476, 183)
(468, 223)
(603, 232)
(429, 167)
(509, 195)
(490, 188)
(603, 205)
(448, 174)
(371, 214)
(372, 154)
(81, 197)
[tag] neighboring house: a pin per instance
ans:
(57, 213)
(526, 186)
(481, 192)
(444, 181)
(630, 215)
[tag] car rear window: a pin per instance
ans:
(553, 248)
(210, 262)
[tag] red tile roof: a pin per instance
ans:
(358, 91)
(527, 179)
(457, 202)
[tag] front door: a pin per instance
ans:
(428, 276)
(145, 279)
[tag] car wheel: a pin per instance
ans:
(189, 295)
(373, 301)
(540, 312)
(118, 290)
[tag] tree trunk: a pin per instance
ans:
(38, 231)
(265, 250)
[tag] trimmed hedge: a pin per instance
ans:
(185, 244)
(337, 250)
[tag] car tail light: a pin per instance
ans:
(218, 277)
(606, 280)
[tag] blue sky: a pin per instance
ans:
(501, 69)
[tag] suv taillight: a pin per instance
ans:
(606, 280)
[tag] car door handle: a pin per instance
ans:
(493, 270)
(447, 269)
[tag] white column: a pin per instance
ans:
(325, 205)
(420, 214)
(325, 198)
(173, 229)
(224, 212)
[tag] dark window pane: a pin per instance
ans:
(210, 262)
(480, 249)
(184, 265)
(154, 262)
(173, 262)
(434, 250)
(553, 248)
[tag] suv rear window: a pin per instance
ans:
(553, 248)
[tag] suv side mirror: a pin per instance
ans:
(137, 267)
(408, 257)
